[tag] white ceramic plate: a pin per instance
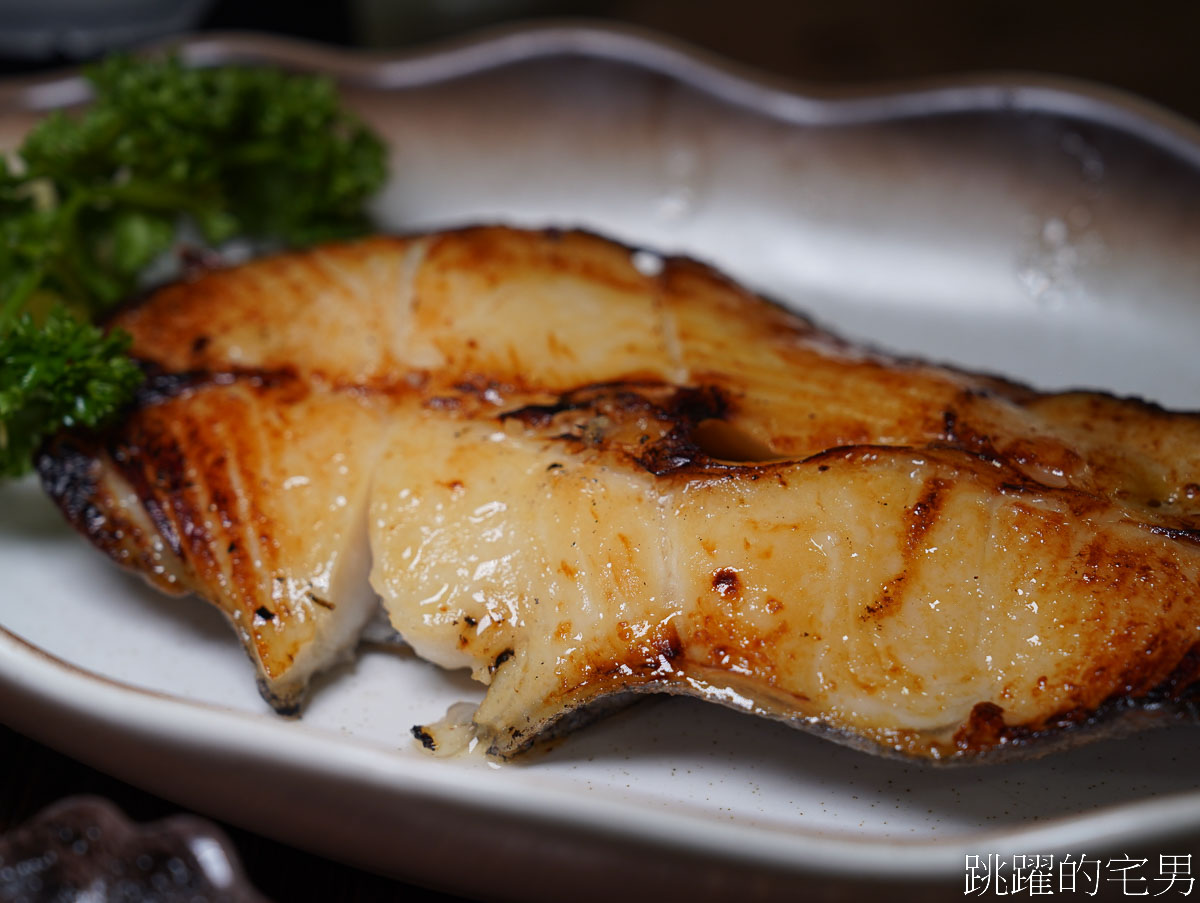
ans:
(1047, 231)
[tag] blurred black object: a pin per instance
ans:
(272, 869)
(38, 33)
(84, 848)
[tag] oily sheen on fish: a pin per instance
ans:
(584, 480)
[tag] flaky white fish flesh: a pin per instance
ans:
(584, 480)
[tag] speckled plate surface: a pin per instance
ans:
(1044, 230)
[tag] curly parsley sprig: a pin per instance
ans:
(89, 200)
(64, 372)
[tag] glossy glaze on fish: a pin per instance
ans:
(582, 480)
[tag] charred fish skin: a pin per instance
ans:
(249, 491)
(583, 482)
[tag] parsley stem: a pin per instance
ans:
(18, 296)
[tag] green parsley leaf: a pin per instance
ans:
(91, 199)
(61, 373)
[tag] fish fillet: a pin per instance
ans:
(584, 481)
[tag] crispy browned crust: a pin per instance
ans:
(185, 492)
(705, 385)
(1145, 676)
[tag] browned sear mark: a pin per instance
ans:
(726, 583)
(317, 600)
(919, 519)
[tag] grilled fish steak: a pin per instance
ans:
(584, 481)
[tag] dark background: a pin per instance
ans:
(1152, 49)
(1149, 49)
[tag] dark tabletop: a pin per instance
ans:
(1150, 51)
(33, 776)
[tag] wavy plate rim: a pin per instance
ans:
(836, 853)
(741, 85)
